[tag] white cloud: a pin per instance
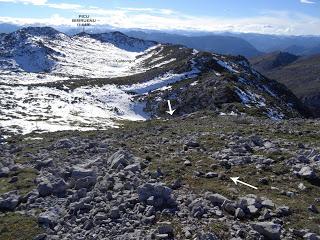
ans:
(157, 11)
(307, 1)
(54, 20)
(33, 2)
(66, 6)
(267, 22)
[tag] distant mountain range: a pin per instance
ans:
(210, 43)
(300, 74)
(8, 28)
(246, 44)
(298, 45)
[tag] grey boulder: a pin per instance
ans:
(4, 172)
(9, 201)
(63, 143)
(59, 186)
(45, 188)
(268, 229)
(307, 173)
(120, 159)
(49, 218)
(156, 194)
(165, 228)
(216, 199)
(83, 178)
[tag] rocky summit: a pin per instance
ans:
(104, 136)
(165, 179)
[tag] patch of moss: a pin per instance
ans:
(212, 142)
(24, 183)
(275, 155)
(183, 83)
(220, 229)
(15, 226)
(254, 111)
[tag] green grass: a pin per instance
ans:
(220, 229)
(15, 226)
(24, 184)
(275, 155)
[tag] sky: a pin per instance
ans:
(288, 17)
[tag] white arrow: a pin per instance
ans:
(170, 109)
(236, 181)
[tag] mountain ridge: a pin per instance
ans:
(120, 77)
(273, 60)
(298, 45)
(301, 76)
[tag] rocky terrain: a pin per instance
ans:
(165, 179)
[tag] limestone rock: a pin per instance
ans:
(268, 229)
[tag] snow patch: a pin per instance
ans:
(161, 81)
(274, 114)
(227, 66)
(266, 88)
(194, 83)
(50, 109)
(248, 97)
(164, 63)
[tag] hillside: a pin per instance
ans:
(300, 75)
(274, 60)
(89, 151)
(98, 78)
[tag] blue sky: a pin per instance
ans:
(294, 17)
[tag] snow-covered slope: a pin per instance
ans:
(33, 57)
(43, 54)
(51, 81)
